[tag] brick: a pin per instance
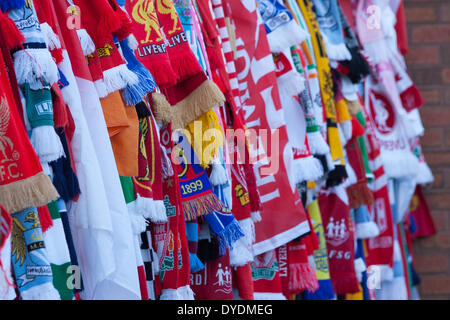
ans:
(431, 96)
(426, 243)
(438, 201)
(447, 137)
(437, 158)
(431, 263)
(420, 14)
(438, 179)
(433, 137)
(445, 57)
(431, 33)
(423, 55)
(426, 76)
(444, 12)
(440, 220)
(443, 240)
(435, 117)
(435, 284)
(446, 75)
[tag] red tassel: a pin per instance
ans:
(126, 24)
(45, 218)
(13, 37)
(411, 98)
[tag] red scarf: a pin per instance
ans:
(22, 182)
(339, 235)
(266, 277)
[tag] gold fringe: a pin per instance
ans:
(35, 191)
(359, 194)
(353, 106)
(205, 97)
(163, 109)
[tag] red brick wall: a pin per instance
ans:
(428, 60)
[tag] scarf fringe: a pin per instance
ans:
(307, 169)
(101, 88)
(35, 66)
(218, 175)
(51, 38)
(12, 36)
(138, 222)
(162, 108)
(425, 175)
(152, 209)
(358, 66)
(182, 293)
(47, 144)
(286, 36)
(242, 252)
(87, 45)
(229, 235)
(34, 191)
(202, 99)
(291, 84)
(44, 291)
(359, 194)
(118, 78)
(366, 230)
(398, 164)
(134, 93)
(317, 143)
(302, 277)
(336, 176)
(338, 52)
(195, 263)
(142, 110)
(269, 296)
(7, 5)
(200, 206)
(324, 292)
(256, 216)
(132, 42)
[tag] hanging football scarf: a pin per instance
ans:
(424, 176)
(422, 215)
(266, 277)
(22, 182)
(262, 110)
(33, 62)
(339, 235)
(152, 49)
(282, 30)
(242, 282)
(390, 132)
(326, 90)
(327, 14)
(7, 291)
(215, 281)
(29, 258)
(325, 290)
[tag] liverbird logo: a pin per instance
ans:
(144, 13)
(166, 7)
(4, 123)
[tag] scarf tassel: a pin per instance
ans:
(229, 235)
(12, 36)
(162, 108)
(200, 206)
(359, 194)
(338, 51)
(182, 293)
(218, 175)
(286, 36)
(366, 230)
(35, 191)
(34, 66)
(256, 216)
(307, 169)
(324, 292)
(118, 78)
(47, 144)
(357, 66)
(143, 112)
(135, 92)
(317, 144)
(152, 209)
(195, 263)
(336, 176)
(242, 252)
(87, 45)
(138, 221)
(51, 38)
(302, 277)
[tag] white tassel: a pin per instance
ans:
(242, 251)
(338, 52)
(33, 66)
(44, 291)
(132, 42)
(118, 78)
(152, 209)
(366, 230)
(47, 144)
(50, 37)
(307, 169)
(256, 216)
(278, 41)
(101, 88)
(138, 223)
(317, 144)
(291, 83)
(218, 175)
(87, 45)
(398, 164)
(182, 293)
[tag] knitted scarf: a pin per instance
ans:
(22, 182)
(30, 260)
(329, 20)
(282, 30)
(266, 277)
(339, 235)
(242, 282)
(326, 90)
(6, 281)
(420, 212)
(325, 290)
